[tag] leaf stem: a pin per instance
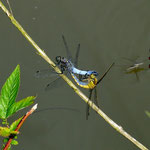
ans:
(20, 124)
(91, 104)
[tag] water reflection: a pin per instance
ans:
(133, 66)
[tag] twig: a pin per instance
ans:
(9, 7)
(20, 124)
(91, 104)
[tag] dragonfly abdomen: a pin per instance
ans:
(87, 84)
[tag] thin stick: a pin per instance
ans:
(91, 104)
(9, 7)
(20, 124)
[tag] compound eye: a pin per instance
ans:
(95, 73)
(58, 59)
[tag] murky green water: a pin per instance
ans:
(107, 31)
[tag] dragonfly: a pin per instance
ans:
(135, 66)
(66, 65)
(87, 78)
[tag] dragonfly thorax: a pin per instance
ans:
(62, 62)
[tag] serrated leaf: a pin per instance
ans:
(14, 125)
(14, 142)
(2, 110)
(4, 131)
(9, 92)
(20, 105)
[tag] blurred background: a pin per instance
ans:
(107, 32)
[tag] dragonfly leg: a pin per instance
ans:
(95, 97)
(87, 106)
(83, 77)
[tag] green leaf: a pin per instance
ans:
(14, 125)
(5, 140)
(9, 92)
(20, 105)
(4, 131)
(14, 142)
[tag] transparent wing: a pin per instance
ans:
(44, 73)
(77, 56)
(55, 84)
(69, 56)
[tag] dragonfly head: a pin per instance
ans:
(58, 59)
(93, 80)
(92, 76)
(95, 73)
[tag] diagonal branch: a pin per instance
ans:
(90, 103)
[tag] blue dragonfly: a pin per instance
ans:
(86, 78)
(66, 65)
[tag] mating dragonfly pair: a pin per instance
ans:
(84, 78)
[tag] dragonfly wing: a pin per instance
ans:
(77, 56)
(69, 56)
(54, 84)
(87, 106)
(44, 73)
